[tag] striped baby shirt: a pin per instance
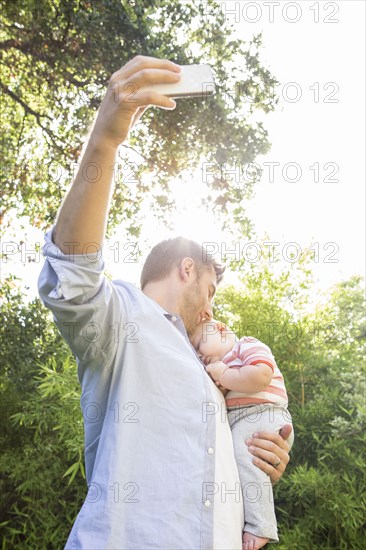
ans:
(250, 351)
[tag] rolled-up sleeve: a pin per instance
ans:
(86, 306)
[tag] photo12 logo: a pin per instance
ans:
(271, 172)
(272, 12)
(253, 252)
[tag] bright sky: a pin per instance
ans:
(321, 64)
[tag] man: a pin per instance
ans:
(159, 456)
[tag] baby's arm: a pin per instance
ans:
(247, 379)
(254, 372)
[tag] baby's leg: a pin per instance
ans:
(259, 512)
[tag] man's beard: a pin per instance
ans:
(190, 308)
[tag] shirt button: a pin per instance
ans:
(210, 451)
(207, 503)
(174, 319)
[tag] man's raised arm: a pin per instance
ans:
(83, 215)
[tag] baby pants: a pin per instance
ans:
(259, 510)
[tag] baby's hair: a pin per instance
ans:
(221, 327)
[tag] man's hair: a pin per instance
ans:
(168, 254)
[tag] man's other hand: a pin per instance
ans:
(268, 449)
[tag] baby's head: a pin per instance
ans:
(212, 340)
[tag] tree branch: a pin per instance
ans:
(8, 44)
(26, 107)
(135, 151)
(37, 116)
(21, 132)
(32, 48)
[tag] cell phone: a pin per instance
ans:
(195, 81)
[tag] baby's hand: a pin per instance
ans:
(216, 370)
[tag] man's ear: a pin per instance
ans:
(187, 268)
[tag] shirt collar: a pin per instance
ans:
(170, 316)
(176, 320)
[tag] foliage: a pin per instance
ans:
(42, 428)
(321, 499)
(57, 58)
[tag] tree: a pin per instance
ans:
(320, 501)
(42, 426)
(57, 59)
(320, 350)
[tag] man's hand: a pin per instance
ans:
(268, 449)
(83, 216)
(124, 101)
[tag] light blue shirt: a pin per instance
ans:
(147, 406)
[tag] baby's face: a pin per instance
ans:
(211, 343)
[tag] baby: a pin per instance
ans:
(256, 401)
